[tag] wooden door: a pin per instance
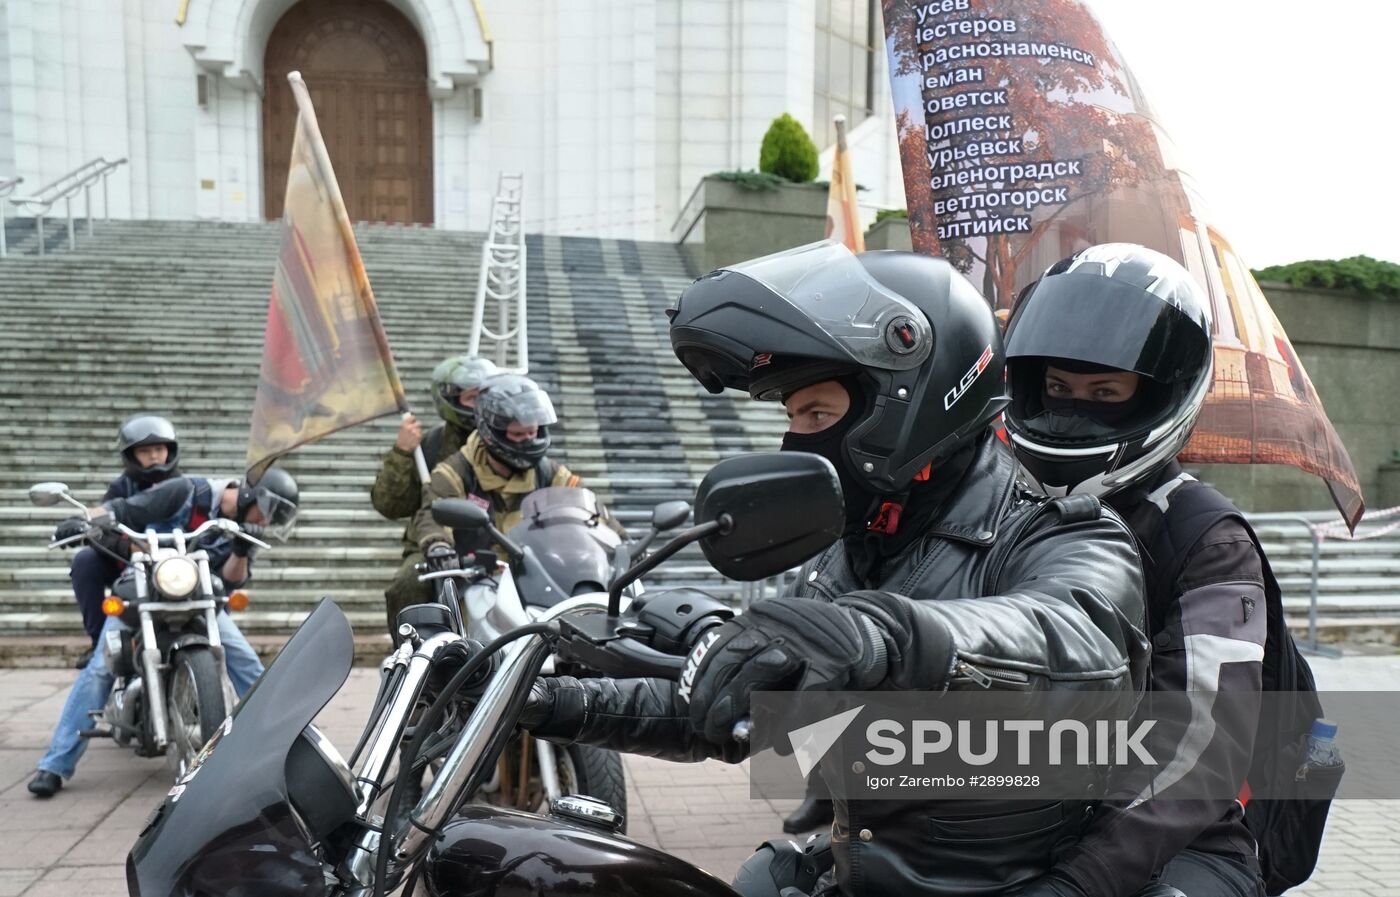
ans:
(366, 68)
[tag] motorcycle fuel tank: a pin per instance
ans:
(493, 852)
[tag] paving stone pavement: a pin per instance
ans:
(76, 843)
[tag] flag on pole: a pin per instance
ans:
(842, 216)
(326, 363)
(1051, 147)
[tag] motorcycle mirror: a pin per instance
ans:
(669, 515)
(782, 508)
(48, 494)
(460, 513)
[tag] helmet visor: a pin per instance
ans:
(279, 514)
(830, 286)
(531, 408)
(1090, 318)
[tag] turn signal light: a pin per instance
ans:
(238, 601)
(113, 606)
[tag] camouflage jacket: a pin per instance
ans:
(397, 492)
(468, 474)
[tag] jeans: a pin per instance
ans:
(92, 574)
(95, 682)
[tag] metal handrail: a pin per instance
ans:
(65, 188)
(502, 279)
(7, 186)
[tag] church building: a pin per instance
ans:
(613, 110)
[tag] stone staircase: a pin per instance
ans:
(168, 317)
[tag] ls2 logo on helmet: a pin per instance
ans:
(968, 379)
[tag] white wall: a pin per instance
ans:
(612, 109)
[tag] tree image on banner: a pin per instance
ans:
(1024, 137)
(326, 361)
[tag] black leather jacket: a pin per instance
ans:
(1031, 601)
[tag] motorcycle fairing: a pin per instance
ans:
(227, 828)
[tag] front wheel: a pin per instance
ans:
(194, 705)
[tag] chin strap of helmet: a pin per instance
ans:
(886, 520)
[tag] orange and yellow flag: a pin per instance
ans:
(842, 216)
(326, 363)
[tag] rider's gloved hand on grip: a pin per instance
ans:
(780, 644)
(555, 708)
(242, 547)
(69, 527)
(438, 552)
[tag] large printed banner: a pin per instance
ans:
(326, 362)
(1023, 138)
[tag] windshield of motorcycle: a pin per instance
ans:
(570, 548)
(227, 826)
(573, 504)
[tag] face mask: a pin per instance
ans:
(859, 498)
(1108, 414)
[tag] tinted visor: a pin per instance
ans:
(1091, 318)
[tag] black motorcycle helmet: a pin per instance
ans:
(1122, 307)
(277, 496)
(912, 335)
(148, 429)
(512, 398)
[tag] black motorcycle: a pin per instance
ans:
(172, 690)
(270, 808)
(561, 549)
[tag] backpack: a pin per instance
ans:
(1287, 832)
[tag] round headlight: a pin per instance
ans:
(176, 577)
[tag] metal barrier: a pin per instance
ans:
(502, 281)
(65, 188)
(7, 186)
(1320, 531)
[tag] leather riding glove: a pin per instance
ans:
(779, 644)
(69, 527)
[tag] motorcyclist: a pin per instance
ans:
(183, 503)
(150, 453)
(1109, 358)
(397, 492)
(501, 463)
(890, 365)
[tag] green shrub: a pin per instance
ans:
(1358, 274)
(882, 214)
(788, 152)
